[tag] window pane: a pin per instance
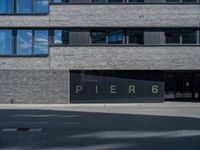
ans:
(98, 37)
(136, 37)
(24, 6)
(61, 37)
(189, 36)
(24, 42)
(6, 6)
(115, 1)
(189, 1)
(98, 1)
(136, 1)
(172, 1)
(172, 36)
(41, 6)
(60, 1)
(115, 37)
(6, 42)
(41, 42)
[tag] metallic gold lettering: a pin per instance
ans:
(79, 88)
(113, 89)
(131, 89)
(155, 89)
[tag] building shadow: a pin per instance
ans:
(76, 130)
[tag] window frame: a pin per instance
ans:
(33, 13)
(14, 41)
(13, 9)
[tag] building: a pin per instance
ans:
(76, 51)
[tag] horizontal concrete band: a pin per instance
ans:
(110, 16)
(114, 58)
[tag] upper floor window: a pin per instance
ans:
(60, 1)
(24, 6)
(184, 36)
(116, 37)
(181, 1)
(6, 6)
(60, 37)
(41, 43)
(189, 36)
(107, 37)
(98, 37)
(135, 36)
(25, 42)
(172, 36)
(6, 42)
(124, 1)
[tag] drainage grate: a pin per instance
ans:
(21, 130)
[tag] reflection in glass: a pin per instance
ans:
(98, 37)
(41, 42)
(24, 6)
(116, 37)
(60, 1)
(24, 42)
(61, 36)
(41, 6)
(6, 6)
(6, 42)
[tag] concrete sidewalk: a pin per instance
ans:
(185, 109)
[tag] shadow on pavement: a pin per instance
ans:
(74, 130)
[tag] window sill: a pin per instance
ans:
(126, 45)
(26, 14)
(34, 56)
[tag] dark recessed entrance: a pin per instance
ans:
(133, 86)
(182, 85)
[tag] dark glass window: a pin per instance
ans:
(41, 42)
(107, 1)
(136, 1)
(115, 37)
(6, 6)
(6, 42)
(189, 1)
(135, 37)
(189, 36)
(172, 36)
(99, 1)
(98, 37)
(24, 6)
(60, 1)
(173, 1)
(61, 37)
(115, 1)
(41, 6)
(24, 42)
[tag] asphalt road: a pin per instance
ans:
(168, 126)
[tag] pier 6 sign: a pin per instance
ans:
(105, 88)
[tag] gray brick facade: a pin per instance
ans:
(46, 79)
(34, 86)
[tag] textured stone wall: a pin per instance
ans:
(126, 58)
(28, 86)
(110, 16)
(125, 15)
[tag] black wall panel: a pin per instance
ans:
(116, 86)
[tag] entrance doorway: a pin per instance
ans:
(182, 85)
